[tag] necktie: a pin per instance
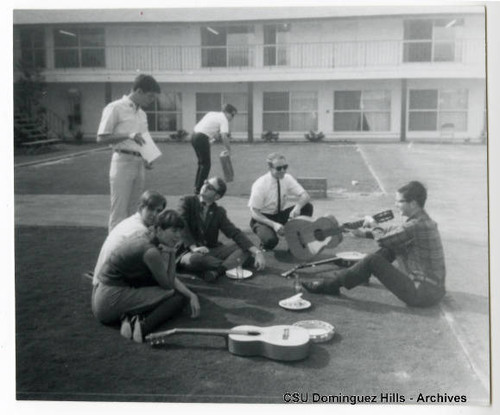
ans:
(204, 210)
(279, 196)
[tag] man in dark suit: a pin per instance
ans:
(201, 252)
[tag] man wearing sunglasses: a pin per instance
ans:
(201, 252)
(269, 201)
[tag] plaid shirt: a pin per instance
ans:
(418, 248)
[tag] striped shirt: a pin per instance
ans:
(418, 248)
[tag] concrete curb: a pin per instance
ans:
(60, 157)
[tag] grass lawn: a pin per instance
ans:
(380, 345)
(63, 353)
(175, 171)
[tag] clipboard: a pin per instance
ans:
(149, 151)
(227, 166)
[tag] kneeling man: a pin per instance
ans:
(269, 205)
(419, 278)
(201, 250)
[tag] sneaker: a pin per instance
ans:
(137, 335)
(322, 287)
(126, 328)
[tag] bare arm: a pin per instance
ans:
(259, 217)
(226, 142)
(119, 138)
(158, 267)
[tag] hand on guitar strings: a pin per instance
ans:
(279, 228)
(295, 212)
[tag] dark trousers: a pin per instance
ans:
(266, 234)
(227, 256)
(379, 264)
(201, 145)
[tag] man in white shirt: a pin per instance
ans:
(269, 201)
(210, 126)
(150, 205)
(122, 124)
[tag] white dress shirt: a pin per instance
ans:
(264, 195)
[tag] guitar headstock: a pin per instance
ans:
(156, 339)
(384, 216)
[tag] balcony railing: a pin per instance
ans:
(362, 54)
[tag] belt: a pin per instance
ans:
(132, 153)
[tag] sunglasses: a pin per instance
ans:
(210, 187)
(279, 168)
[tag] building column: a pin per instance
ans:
(404, 97)
(250, 111)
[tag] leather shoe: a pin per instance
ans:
(210, 276)
(322, 287)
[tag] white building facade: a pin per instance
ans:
(368, 74)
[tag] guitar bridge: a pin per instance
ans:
(286, 334)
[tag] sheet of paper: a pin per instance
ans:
(149, 151)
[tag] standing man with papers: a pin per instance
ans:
(124, 125)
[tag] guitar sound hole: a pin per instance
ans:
(319, 235)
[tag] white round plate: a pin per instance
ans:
(319, 331)
(242, 274)
(295, 304)
(350, 256)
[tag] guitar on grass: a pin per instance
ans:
(286, 343)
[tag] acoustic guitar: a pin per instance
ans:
(285, 343)
(307, 237)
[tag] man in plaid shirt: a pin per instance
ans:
(419, 277)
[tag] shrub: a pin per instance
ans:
(179, 135)
(314, 136)
(270, 136)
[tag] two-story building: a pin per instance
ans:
(353, 73)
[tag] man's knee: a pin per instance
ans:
(269, 242)
(267, 236)
(307, 209)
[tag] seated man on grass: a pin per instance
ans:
(269, 203)
(201, 251)
(151, 204)
(419, 278)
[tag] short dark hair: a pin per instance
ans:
(230, 109)
(221, 186)
(146, 83)
(152, 199)
(169, 219)
(414, 191)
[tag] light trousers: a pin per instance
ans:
(126, 179)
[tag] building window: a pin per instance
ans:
(32, 48)
(362, 110)
(215, 101)
(226, 46)
(290, 111)
(431, 40)
(275, 50)
(79, 47)
(436, 110)
(165, 114)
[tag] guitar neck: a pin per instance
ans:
(353, 225)
(209, 332)
(379, 217)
